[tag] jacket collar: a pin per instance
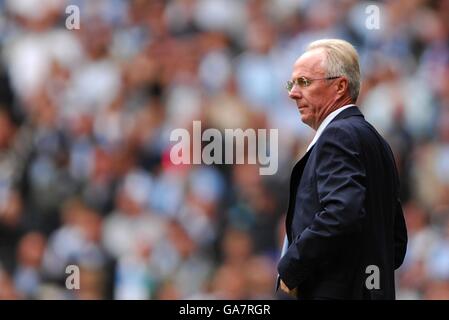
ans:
(349, 112)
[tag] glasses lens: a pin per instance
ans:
(303, 82)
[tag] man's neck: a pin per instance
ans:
(336, 106)
(326, 122)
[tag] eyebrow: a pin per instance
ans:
(313, 70)
(307, 77)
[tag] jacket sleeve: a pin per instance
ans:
(340, 177)
(400, 236)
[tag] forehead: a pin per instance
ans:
(309, 64)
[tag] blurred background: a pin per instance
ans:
(86, 116)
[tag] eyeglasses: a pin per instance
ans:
(304, 82)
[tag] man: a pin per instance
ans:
(345, 226)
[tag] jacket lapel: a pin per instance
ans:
(298, 170)
(295, 179)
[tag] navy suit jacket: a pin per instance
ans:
(344, 220)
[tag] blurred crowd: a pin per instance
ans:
(85, 121)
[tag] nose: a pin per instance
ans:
(295, 93)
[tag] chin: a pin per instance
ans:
(305, 119)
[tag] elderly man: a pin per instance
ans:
(345, 226)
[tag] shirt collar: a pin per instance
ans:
(326, 122)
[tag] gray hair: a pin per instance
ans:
(341, 60)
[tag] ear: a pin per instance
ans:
(342, 85)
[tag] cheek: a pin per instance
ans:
(315, 100)
(310, 96)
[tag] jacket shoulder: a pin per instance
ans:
(347, 130)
